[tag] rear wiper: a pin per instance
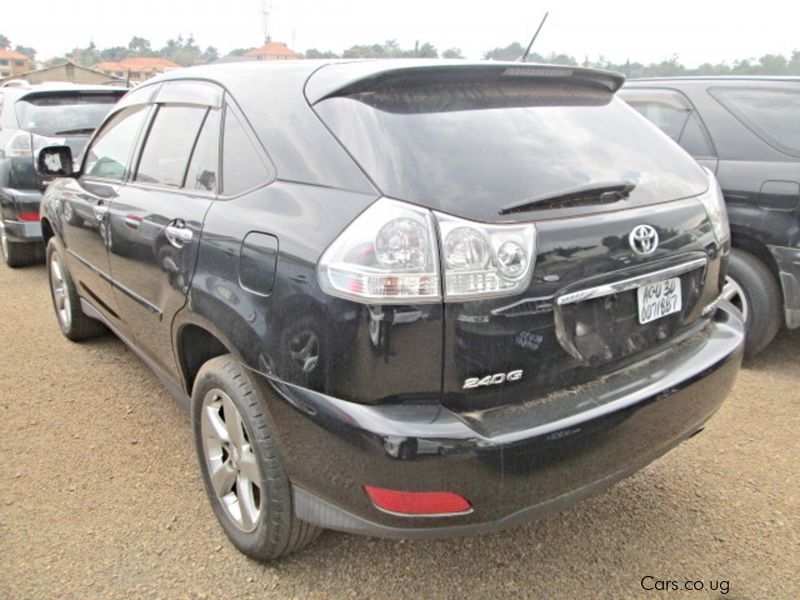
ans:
(592, 193)
(84, 131)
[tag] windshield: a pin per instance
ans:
(473, 149)
(64, 114)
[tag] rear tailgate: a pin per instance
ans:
(474, 141)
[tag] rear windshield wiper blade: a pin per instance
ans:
(593, 193)
(83, 131)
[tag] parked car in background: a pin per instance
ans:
(747, 131)
(32, 117)
(401, 298)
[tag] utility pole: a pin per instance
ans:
(266, 9)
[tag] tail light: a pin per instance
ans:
(28, 216)
(24, 144)
(396, 251)
(483, 260)
(714, 203)
(427, 504)
(387, 254)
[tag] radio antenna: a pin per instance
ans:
(524, 57)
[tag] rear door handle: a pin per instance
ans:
(178, 233)
(100, 211)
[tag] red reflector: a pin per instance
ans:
(417, 503)
(28, 216)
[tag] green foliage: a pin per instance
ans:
(27, 51)
(391, 49)
(183, 51)
(511, 52)
(4, 42)
(314, 53)
(452, 53)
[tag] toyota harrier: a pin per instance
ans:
(403, 299)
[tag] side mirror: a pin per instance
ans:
(55, 161)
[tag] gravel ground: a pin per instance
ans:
(101, 497)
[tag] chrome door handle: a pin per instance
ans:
(100, 211)
(178, 234)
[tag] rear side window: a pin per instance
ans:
(203, 171)
(110, 151)
(771, 114)
(672, 113)
(169, 145)
(242, 167)
(67, 114)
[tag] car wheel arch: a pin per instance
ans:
(195, 345)
(752, 245)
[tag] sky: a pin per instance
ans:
(616, 30)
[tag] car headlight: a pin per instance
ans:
(714, 203)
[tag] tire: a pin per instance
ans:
(257, 517)
(753, 289)
(72, 321)
(17, 254)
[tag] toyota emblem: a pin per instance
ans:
(643, 239)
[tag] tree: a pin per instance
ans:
(210, 55)
(452, 53)
(511, 52)
(426, 50)
(314, 53)
(115, 53)
(85, 57)
(140, 46)
(4, 42)
(773, 64)
(27, 51)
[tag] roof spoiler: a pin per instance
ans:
(347, 78)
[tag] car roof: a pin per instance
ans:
(738, 79)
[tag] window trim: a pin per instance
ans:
(85, 152)
(749, 123)
(229, 104)
(156, 108)
(689, 105)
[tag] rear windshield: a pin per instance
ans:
(63, 114)
(472, 149)
(774, 115)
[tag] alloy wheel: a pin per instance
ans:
(230, 460)
(58, 284)
(734, 293)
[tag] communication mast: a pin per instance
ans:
(266, 9)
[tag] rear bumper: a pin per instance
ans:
(15, 201)
(23, 231)
(513, 463)
(788, 260)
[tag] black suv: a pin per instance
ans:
(400, 298)
(747, 131)
(32, 117)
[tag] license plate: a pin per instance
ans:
(659, 299)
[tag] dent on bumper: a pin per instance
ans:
(788, 260)
(516, 464)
